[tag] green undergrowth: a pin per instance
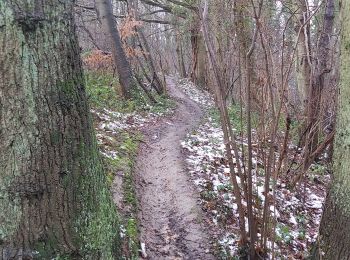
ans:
(123, 164)
(238, 122)
(103, 89)
(238, 118)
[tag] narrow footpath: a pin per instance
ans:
(169, 215)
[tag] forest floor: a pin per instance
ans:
(170, 180)
(295, 213)
(170, 217)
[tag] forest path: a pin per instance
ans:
(169, 215)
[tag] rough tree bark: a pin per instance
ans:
(54, 198)
(335, 224)
(105, 13)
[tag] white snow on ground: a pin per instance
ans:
(297, 212)
(210, 172)
(200, 96)
(116, 121)
(109, 124)
(113, 131)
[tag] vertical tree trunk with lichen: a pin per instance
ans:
(335, 224)
(54, 199)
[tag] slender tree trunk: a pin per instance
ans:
(194, 49)
(180, 58)
(335, 224)
(156, 82)
(105, 11)
(245, 38)
(319, 77)
(229, 136)
(198, 73)
(202, 63)
(303, 65)
(54, 198)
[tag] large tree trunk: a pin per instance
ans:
(54, 198)
(105, 12)
(335, 224)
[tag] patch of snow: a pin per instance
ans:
(209, 169)
(200, 96)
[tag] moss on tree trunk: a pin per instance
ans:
(54, 197)
(335, 224)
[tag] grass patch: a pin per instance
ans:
(132, 234)
(127, 147)
(103, 88)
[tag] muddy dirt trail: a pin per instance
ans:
(170, 217)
